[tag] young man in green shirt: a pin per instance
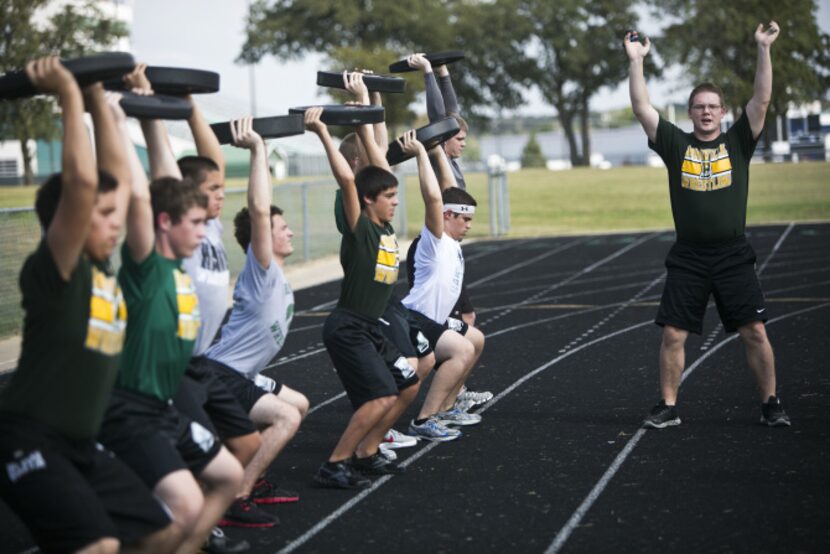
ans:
(71, 493)
(708, 185)
(167, 449)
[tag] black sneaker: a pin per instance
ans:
(773, 414)
(219, 543)
(266, 492)
(340, 475)
(244, 513)
(662, 416)
(376, 464)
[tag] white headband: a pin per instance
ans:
(460, 208)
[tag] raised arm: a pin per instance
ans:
(447, 90)
(756, 109)
(435, 101)
(259, 189)
(111, 154)
(207, 144)
(433, 216)
(340, 168)
(376, 154)
(645, 113)
(380, 132)
(70, 225)
(442, 168)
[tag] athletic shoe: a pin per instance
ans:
(396, 439)
(376, 464)
(457, 417)
(433, 430)
(219, 543)
(464, 405)
(773, 415)
(387, 453)
(244, 513)
(266, 492)
(477, 397)
(340, 475)
(662, 416)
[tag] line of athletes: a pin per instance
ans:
(142, 433)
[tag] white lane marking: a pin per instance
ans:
(520, 265)
(575, 519)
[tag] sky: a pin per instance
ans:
(208, 34)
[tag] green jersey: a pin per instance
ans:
(369, 256)
(708, 180)
(164, 323)
(73, 333)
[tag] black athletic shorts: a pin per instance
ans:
(71, 493)
(204, 398)
(433, 330)
(367, 363)
(244, 391)
(726, 271)
(402, 329)
(153, 438)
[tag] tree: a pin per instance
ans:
(68, 31)
(532, 154)
(714, 42)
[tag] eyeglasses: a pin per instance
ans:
(702, 107)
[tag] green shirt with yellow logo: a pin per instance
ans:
(73, 333)
(163, 325)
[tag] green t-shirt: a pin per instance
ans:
(163, 325)
(73, 333)
(369, 256)
(708, 180)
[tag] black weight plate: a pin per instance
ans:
(175, 81)
(430, 136)
(346, 114)
(375, 83)
(435, 58)
(266, 127)
(156, 106)
(86, 69)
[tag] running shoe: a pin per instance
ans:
(457, 417)
(773, 414)
(244, 513)
(662, 416)
(464, 405)
(396, 439)
(476, 397)
(219, 543)
(387, 453)
(433, 430)
(340, 475)
(266, 492)
(376, 464)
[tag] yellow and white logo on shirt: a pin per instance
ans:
(188, 304)
(386, 269)
(107, 315)
(706, 169)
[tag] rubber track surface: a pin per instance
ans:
(559, 463)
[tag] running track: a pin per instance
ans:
(559, 463)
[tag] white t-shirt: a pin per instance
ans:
(439, 272)
(263, 307)
(208, 268)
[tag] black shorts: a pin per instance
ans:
(71, 493)
(726, 271)
(402, 329)
(464, 304)
(433, 330)
(153, 438)
(244, 391)
(367, 363)
(204, 398)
